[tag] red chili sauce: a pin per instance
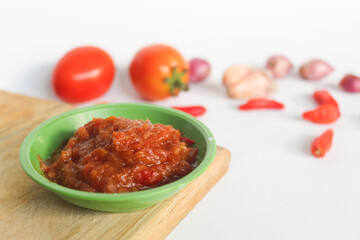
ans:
(116, 155)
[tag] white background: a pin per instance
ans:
(274, 189)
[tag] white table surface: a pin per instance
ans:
(274, 189)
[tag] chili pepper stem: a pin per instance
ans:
(322, 144)
(318, 152)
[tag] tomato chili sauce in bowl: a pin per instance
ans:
(117, 157)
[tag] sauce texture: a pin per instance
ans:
(116, 155)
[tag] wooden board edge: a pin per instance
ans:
(175, 209)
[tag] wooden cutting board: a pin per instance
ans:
(28, 211)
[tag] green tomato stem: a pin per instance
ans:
(175, 82)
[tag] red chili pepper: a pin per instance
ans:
(326, 113)
(321, 145)
(261, 103)
(324, 97)
(192, 110)
(188, 141)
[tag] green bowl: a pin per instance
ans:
(46, 137)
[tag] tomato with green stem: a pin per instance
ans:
(158, 72)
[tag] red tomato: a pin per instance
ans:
(158, 72)
(83, 74)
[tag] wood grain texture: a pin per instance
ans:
(28, 211)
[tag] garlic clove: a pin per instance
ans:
(234, 74)
(315, 69)
(254, 85)
(246, 82)
(272, 87)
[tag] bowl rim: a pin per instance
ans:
(24, 156)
